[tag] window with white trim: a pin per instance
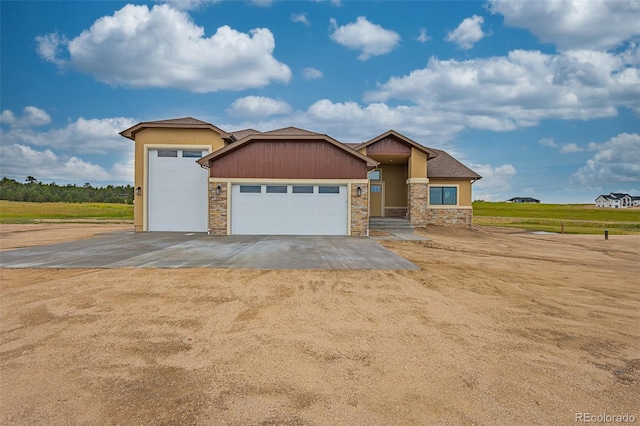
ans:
(443, 195)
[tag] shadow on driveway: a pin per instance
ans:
(195, 250)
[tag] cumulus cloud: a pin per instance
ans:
(570, 148)
(423, 37)
(311, 73)
(494, 182)
(301, 18)
(19, 161)
(162, 47)
(83, 136)
(550, 142)
(616, 161)
(258, 107)
(519, 90)
(567, 148)
(31, 117)
(578, 24)
(371, 39)
(60, 153)
(468, 32)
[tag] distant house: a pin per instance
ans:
(617, 200)
(523, 200)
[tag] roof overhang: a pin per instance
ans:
(130, 133)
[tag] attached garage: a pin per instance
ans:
(177, 190)
(289, 209)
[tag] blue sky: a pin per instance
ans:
(540, 98)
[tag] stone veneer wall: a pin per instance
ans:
(359, 210)
(218, 209)
(452, 216)
(421, 215)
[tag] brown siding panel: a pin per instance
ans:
(388, 145)
(288, 160)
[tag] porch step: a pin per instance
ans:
(382, 223)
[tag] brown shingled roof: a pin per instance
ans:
(291, 131)
(184, 123)
(239, 134)
(445, 166)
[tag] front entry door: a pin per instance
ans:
(376, 201)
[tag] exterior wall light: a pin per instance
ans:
(359, 191)
(218, 189)
(138, 191)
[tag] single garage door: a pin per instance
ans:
(177, 191)
(288, 209)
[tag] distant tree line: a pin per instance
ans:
(38, 192)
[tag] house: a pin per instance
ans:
(617, 200)
(192, 176)
(523, 200)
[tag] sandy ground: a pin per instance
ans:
(498, 327)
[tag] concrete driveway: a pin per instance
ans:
(195, 250)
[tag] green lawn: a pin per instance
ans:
(576, 218)
(23, 212)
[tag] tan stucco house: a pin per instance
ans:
(192, 176)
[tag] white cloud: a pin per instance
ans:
(162, 47)
(519, 90)
(550, 142)
(616, 161)
(578, 24)
(19, 161)
(371, 39)
(258, 107)
(495, 181)
(83, 136)
(311, 73)
(570, 148)
(262, 3)
(31, 117)
(301, 18)
(423, 37)
(468, 32)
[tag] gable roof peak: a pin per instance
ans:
(431, 153)
(291, 130)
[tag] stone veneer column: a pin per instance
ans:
(359, 210)
(218, 208)
(418, 203)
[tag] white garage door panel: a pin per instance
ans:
(177, 194)
(288, 214)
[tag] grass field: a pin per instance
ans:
(576, 218)
(573, 218)
(22, 212)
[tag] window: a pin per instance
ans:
(375, 175)
(191, 154)
(443, 195)
(167, 153)
(303, 189)
(329, 189)
(376, 188)
(276, 189)
(252, 189)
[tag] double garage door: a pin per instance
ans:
(281, 209)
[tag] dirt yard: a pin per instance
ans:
(498, 327)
